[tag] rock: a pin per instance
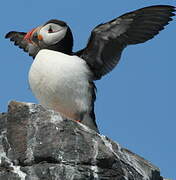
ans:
(39, 144)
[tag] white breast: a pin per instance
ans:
(61, 82)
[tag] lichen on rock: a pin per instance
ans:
(36, 143)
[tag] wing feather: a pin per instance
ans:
(108, 40)
(18, 39)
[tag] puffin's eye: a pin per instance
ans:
(50, 30)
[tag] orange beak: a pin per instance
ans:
(28, 36)
(40, 37)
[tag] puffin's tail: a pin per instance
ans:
(89, 118)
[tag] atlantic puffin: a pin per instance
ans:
(63, 80)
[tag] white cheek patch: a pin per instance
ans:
(54, 37)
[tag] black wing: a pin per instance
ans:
(108, 40)
(18, 38)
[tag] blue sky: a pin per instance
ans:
(136, 103)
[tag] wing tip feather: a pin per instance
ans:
(8, 35)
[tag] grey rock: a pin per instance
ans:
(39, 144)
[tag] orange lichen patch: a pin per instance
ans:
(78, 121)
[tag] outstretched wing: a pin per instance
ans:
(108, 40)
(18, 38)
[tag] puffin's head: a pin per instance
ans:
(54, 35)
